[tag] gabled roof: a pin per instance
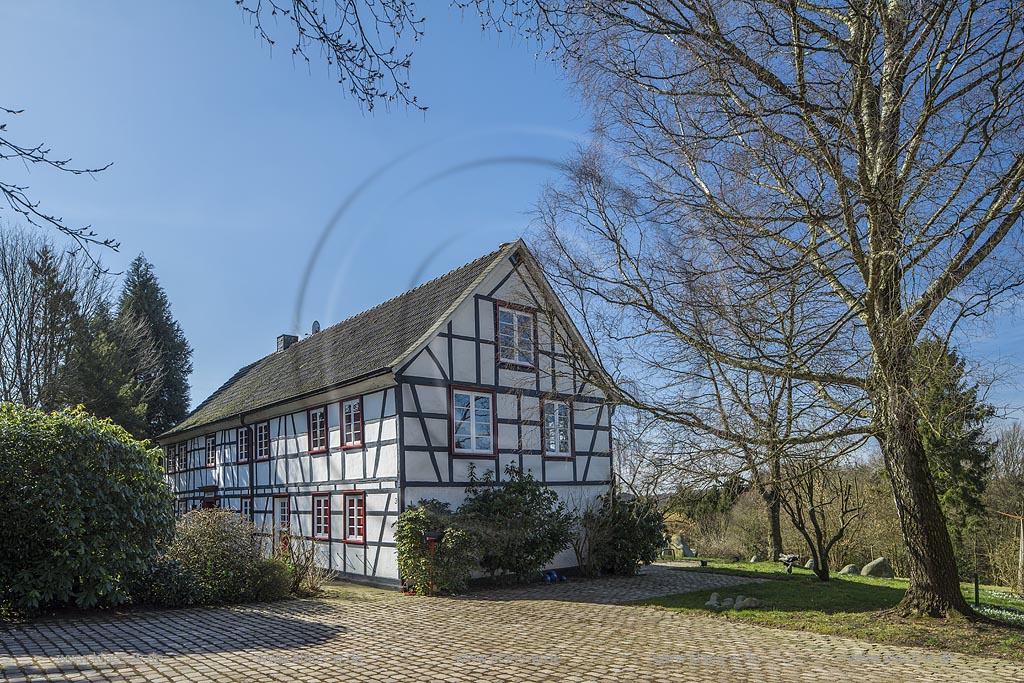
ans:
(373, 341)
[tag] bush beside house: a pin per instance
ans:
(84, 509)
(223, 554)
(513, 529)
(619, 536)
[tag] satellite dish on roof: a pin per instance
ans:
(316, 326)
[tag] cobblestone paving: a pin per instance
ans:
(569, 633)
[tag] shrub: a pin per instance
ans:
(307, 575)
(519, 524)
(166, 583)
(84, 506)
(455, 555)
(222, 551)
(273, 580)
(623, 535)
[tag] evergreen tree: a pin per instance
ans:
(952, 421)
(144, 306)
(111, 362)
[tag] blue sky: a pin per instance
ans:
(229, 159)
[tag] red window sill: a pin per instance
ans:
(352, 446)
(318, 451)
(354, 542)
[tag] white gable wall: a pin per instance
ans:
(464, 353)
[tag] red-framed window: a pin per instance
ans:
(352, 423)
(243, 444)
(262, 441)
(316, 425)
(516, 332)
(355, 517)
(557, 429)
(211, 450)
(473, 421)
(322, 516)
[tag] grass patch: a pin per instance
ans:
(856, 607)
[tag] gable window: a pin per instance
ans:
(316, 421)
(557, 429)
(355, 517)
(263, 441)
(243, 444)
(211, 451)
(322, 516)
(516, 343)
(472, 421)
(352, 423)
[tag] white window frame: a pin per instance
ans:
(320, 438)
(243, 454)
(521, 320)
(245, 506)
(557, 423)
(210, 453)
(354, 503)
(263, 427)
(474, 448)
(321, 516)
(182, 457)
(352, 423)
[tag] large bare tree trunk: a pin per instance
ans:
(934, 581)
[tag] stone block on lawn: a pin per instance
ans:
(879, 568)
(850, 569)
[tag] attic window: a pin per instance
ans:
(517, 326)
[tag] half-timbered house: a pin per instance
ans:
(332, 436)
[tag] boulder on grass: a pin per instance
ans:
(809, 565)
(754, 559)
(879, 568)
(850, 569)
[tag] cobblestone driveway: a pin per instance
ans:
(567, 633)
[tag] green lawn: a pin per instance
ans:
(858, 607)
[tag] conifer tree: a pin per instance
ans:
(143, 305)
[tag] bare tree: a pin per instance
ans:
(822, 503)
(45, 298)
(1008, 458)
(872, 144)
(17, 197)
(359, 39)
